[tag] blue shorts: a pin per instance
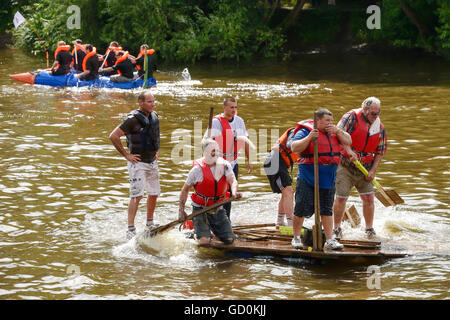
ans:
(304, 200)
(217, 222)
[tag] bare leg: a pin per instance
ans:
(327, 223)
(298, 224)
(368, 209)
(151, 204)
(338, 210)
(287, 198)
(132, 209)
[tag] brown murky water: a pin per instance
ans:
(64, 190)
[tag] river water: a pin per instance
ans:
(64, 188)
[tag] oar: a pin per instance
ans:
(317, 228)
(151, 233)
(388, 197)
(211, 112)
(144, 85)
(104, 60)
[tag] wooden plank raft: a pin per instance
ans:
(263, 241)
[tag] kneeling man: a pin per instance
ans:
(210, 177)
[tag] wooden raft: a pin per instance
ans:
(261, 240)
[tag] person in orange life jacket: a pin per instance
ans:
(368, 145)
(330, 140)
(63, 59)
(110, 56)
(139, 61)
(141, 128)
(78, 55)
(123, 66)
(90, 64)
(276, 166)
(229, 130)
(210, 177)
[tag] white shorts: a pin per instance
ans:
(144, 176)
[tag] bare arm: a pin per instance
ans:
(300, 145)
(115, 139)
(373, 169)
(182, 202)
(247, 156)
(234, 186)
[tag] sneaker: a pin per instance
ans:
(297, 243)
(333, 244)
(131, 234)
(280, 220)
(337, 232)
(370, 233)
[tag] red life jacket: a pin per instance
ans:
(149, 52)
(119, 60)
(329, 149)
(362, 142)
(286, 153)
(227, 141)
(90, 54)
(209, 191)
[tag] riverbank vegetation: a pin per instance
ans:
(193, 30)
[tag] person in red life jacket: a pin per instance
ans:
(276, 166)
(123, 66)
(139, 61)
(90, 64)
(229, 130)
(368, 145)
(141, 128)
(210, 176)
(63, 59)
(78, 54)
(330, 140)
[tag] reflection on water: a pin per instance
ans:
(64, 189)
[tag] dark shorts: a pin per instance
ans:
(304, 200)
(281, 178)
(217, 223)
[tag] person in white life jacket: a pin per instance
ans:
(210, 176)
(330, 140)
(368, 145)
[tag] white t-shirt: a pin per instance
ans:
(237, 126)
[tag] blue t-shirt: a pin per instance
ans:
(327, 174)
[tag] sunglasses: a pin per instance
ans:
(375, 113)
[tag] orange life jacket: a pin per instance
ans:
(149, 52)
(119, 60)
(113, 49)
(90, 54)
(227, 141)
(61, 48)
(286, 153)
(209, 191)
(362, 142)
(329, 149)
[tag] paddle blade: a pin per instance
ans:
(352, 215)
(389, 197)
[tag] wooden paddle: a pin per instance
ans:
(153, 232)
(388, 197)
(317, 228)
(211, 112)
